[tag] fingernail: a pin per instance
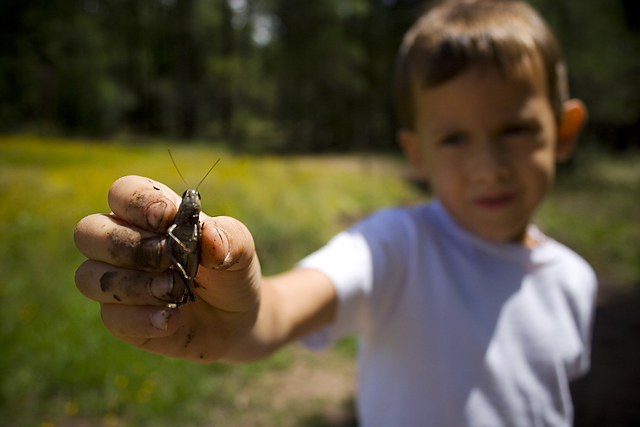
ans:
(155, 212)
(224, 244)
(149, 256)
(160, 320)
(161, 287)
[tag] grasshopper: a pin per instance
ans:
(184, 236)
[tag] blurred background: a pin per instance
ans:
(265, 74)
(295, 97)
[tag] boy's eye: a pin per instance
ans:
(516, 130)
(520, 129)
(453, 139)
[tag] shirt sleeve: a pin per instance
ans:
(346, 260)
(583, 306)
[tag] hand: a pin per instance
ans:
(128, 273)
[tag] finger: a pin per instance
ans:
(194, 332)
(143, 202)
(105, 283)
(140, 321)
(108, 239)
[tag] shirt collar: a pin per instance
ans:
(514, 252)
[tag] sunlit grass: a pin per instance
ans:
(595, 209)
(58, 363)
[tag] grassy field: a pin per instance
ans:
(60, 367)
(595, 209)
(58, 364)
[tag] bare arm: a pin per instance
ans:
(238, 316)
(292, 305)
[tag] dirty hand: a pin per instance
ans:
(128, 273)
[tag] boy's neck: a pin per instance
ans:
(528, 241)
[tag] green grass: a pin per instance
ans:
(57, 362)
(60, 367)
(595, 209)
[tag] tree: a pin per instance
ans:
(321, 71)
(601, 45)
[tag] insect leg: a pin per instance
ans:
(177, 265)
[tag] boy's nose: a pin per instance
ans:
(488, 163)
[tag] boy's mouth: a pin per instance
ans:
(495, 201)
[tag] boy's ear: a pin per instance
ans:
(408, 142)
(574, 117)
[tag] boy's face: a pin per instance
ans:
(488, 142)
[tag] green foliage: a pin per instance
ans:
(317, 74)
(601, 46)
(594, 210)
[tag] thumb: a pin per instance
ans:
(231, 276)
(226, 244)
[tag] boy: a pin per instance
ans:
(467, 314)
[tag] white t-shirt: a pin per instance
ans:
(455, 330)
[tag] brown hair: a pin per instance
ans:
(457, 34)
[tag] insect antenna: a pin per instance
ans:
(205, 177)
(174, 164)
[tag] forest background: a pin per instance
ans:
(91, 90)
(266, 75)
